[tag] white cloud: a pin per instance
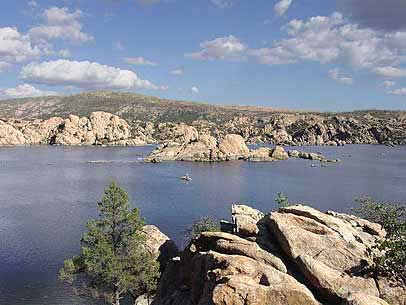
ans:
(389, 83)
(176, 72)
(195, 90)
(25, 90)
(223, 3)
(335, 74)
(282, 7)
(60, 23)
(390, 71)
(227, 48)
(400, 91)
(140, 61)
(329, 38)
(16, 47)
(85, 75)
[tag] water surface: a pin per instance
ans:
(48, 193)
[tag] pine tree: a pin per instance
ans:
(113, 253)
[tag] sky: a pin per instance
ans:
(329, 55)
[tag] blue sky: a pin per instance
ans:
(302, 54)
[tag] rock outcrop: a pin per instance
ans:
(202, 148)
(294, 129)
(234, 274)
(310, 258)
(100, 128)
(159, 245)
(206, 148)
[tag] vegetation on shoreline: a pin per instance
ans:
(203, 224)
(113, 256)
(392, 216)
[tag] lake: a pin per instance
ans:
(48, 193)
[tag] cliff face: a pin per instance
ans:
(294, 256)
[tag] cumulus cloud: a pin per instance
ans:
(400, 91)
(24, 90)
(60, 23)
(386, 15)
(282, 7)
(390, 72)
(195, 89)
(326, 39)
(84, 75)
(227, 48)
(176, 72)
(16, 47)
(335, 74)
(140, 61)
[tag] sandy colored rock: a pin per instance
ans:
(219, 279)
(279, 153)
(159, 245)
(245, 219)
(362, 299)
(233, 245)
(332, 284)
(205, 148)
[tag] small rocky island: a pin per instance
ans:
(192, 146)
(294, 256)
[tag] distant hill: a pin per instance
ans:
(134, 107)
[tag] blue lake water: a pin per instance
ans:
(48, 193)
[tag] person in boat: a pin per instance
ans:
(186, 177)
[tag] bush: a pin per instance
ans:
(282, 200)
(392, 217)
(204, 224)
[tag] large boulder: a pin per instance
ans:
(245, 219)
(233, 146)
(159, 245)
(266, 154)
(327, 250)
(10, 135)
(228, 277)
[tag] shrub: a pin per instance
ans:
(392, 217)
(204, 224)
(282, 200)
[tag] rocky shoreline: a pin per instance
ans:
(286, 129)
(294, 256)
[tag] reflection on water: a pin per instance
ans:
(48, 193)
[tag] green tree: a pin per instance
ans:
(392, 216)
(282, 200)
(204, 224)
(113, 254)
